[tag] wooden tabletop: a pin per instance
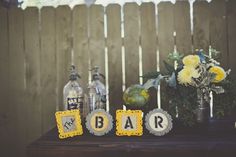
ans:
(216, 140)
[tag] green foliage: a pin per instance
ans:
(175, 56)
(183, 99)
(215, 54)
(225, 104)
(169, 67)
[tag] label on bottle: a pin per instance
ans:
(74, 101)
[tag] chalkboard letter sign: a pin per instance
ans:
(99, 122)
(158, 122)
(68, 123)
(129, 123)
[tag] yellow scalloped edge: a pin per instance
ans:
(76, 114)
(120, 131)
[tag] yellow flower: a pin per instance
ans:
(186, 75)
(191, 60)
(220, 73)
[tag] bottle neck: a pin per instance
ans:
(96, 77)
(73, 77)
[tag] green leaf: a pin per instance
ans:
(169, 67)
(175, 56)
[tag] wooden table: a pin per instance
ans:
(218, 140)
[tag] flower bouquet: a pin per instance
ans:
(190, 84)
(203, 73)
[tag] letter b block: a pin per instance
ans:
(99, 122)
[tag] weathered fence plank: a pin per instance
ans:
(48, 67)
(218, 29)
(231, 14)
(32, 62)
(5, 109)
(80, 46)
(201, 23)
(165, 31)
(97, 39)
(17, 82)
(63, 49)
(131, 43)
(182, 24)
(149, 47)
(114, 44)
(165, 38)
(80, 43)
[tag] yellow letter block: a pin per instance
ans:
(129, 123)
(69, 123)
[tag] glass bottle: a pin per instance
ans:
(73, 93)
(97, 91)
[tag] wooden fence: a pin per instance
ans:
(36, 48)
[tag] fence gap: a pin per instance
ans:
(157, 56)
(106, 62)
(123, 52)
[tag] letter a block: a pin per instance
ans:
(129, 123)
